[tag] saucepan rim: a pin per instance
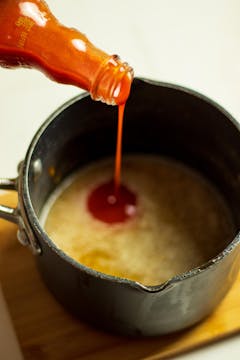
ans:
(35, 223)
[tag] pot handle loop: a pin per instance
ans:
(15, 215)
(6, 212)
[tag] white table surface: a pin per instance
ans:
(188, 42)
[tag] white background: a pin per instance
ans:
(188, 42)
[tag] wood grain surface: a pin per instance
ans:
(46, 331)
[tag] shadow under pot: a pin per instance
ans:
(160, 120)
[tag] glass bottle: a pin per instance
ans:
(32, 37)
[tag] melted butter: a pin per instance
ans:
(181, 221)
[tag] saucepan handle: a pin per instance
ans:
(24, 233)
(6, 212)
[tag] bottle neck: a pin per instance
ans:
(112, 82)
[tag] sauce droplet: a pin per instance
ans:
(109, 206)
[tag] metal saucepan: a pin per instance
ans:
(161, 119)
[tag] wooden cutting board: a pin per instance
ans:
(46, 331)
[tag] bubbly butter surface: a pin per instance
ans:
(181, 220)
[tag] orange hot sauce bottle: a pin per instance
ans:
(31, 36)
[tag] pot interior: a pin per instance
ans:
(159, 119)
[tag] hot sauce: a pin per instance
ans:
(32, 37)
(110, 207)
(113, 202)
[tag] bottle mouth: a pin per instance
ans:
(113, 82)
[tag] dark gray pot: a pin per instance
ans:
(161, 119)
